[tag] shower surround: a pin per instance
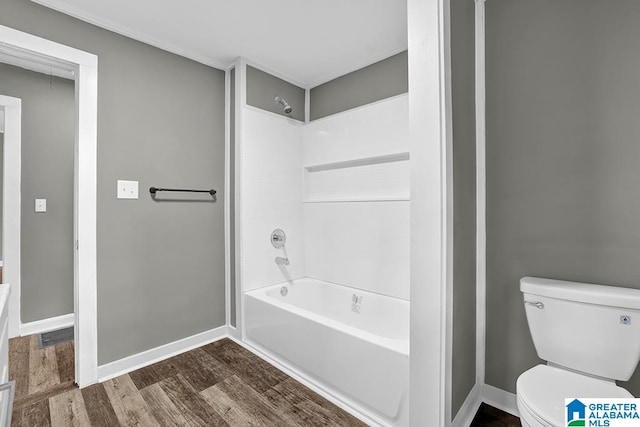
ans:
(339, 188)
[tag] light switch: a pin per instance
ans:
(127, 189)
(41, 205)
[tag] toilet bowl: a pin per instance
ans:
(588, 334)
(541, 391)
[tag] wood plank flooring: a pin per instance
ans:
(220, 384)
(488, 416)
(39, 373)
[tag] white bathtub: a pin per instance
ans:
(361, 352)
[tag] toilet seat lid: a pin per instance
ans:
(543, 389)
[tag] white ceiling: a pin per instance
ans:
(308, 41)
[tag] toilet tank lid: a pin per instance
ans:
(612, 296)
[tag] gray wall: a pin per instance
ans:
(262, 88)
(375, 82)
(161, 122)
(464, 200)
(48, 139)
(563, 102)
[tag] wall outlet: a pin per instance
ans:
(41, 205)
(127, 189)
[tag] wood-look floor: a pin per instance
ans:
(488, 416)
(39, 373)
(220, 384)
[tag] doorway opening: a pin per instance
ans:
(44, 56)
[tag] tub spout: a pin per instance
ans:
(282, 261)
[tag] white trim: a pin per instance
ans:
(27, 46)
(82, 15)
(481, 223)
(469, 408)
(357, 200)
(46, 325)
(430, 213)
(448, 223)
(86, 277)
(233, 330)
(43, 67)
(299, 375)
(500, 399)
(85, 67)
(148, 357)
(307, 106)
(328, 77)
(11, 193)
(227, 198)
(234, 333)
(241, 101)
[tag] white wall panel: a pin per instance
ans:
(360, 235)
(272, 198)
(360, 244)
(371, 130)
(357, 231)
(385, 180)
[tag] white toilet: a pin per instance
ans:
(588, 334)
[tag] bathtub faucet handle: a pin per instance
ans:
(278, 238)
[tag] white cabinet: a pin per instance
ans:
(6, 389)
(4, 333)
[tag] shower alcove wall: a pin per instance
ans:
(339, 187)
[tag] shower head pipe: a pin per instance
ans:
(287, 108)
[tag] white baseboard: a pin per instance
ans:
(46, 325)
(148, 357)
(468, 410)
(500, 399)
(234, 333)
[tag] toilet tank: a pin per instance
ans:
(590, 328)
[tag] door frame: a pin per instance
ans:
(11, 182)
(41, 55)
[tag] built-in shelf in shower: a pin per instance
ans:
(356, 199)
(364, 161)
